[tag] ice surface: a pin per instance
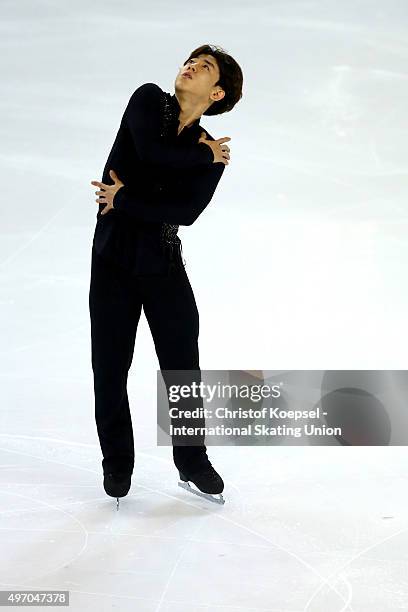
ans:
(299, 262)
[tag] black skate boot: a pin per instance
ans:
(117, 484)
(207, 480)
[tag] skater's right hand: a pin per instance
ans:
(219, 149)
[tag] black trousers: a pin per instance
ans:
(116, 299)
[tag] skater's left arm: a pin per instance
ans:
(195, 195)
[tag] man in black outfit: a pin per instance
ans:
(165, 170)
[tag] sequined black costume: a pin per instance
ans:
(169, 180)
(137, 264)
(170, 241)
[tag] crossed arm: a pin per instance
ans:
(196, 195)
(142, 117)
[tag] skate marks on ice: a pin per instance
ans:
(330, 581)
(197, 526)
(24, 246)
(208, 512)
(57, 509)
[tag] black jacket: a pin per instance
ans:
(169, 180)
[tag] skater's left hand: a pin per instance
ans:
(107, 192)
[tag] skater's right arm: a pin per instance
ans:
(184, 209)
(143, 118)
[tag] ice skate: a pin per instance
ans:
(117, 485)
(209, 484)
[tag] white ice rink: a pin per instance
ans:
(299, 262)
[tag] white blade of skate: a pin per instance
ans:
(215, 500)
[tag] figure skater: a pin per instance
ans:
(162, 172)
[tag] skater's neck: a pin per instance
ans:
(189, 112)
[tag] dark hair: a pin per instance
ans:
(231, 78)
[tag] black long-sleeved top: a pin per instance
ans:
(168, 179)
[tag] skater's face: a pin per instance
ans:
(199, 75)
